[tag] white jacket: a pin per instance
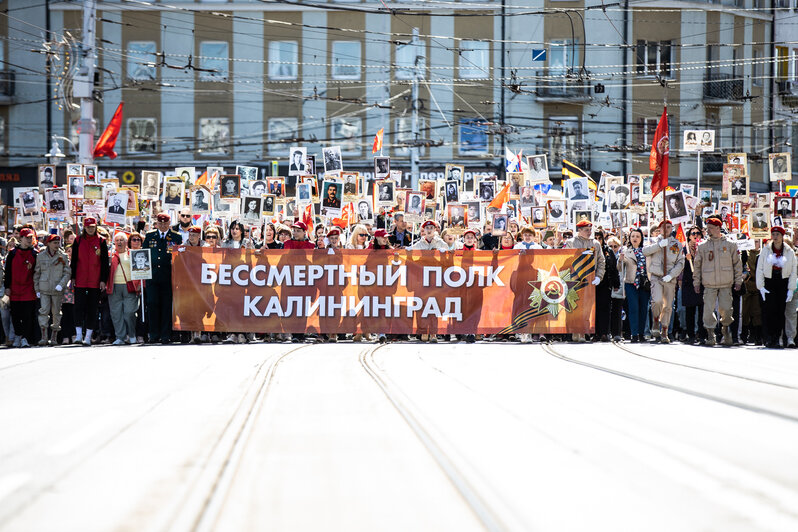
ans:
(764, 265)
(437, 243)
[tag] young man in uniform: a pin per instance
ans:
(666, 262)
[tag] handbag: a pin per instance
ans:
(131, 285)
(620, 292)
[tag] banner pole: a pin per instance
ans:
(143, 309)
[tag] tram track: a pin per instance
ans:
(486, 506)
(672, 387)
(705, 369)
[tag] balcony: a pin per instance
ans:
(723, 89)
(788, 91)
(712, 164)
(7, 86)
(561, 90)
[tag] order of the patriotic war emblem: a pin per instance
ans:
(553, 290)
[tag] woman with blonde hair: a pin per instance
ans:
(359, 238)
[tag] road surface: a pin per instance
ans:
(351, 437)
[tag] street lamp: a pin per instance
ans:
(55, 152)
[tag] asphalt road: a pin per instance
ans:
(403, 437)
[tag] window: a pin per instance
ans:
(285, 129)
(474, 61)
(2, 134)
(213, 56)
(794, 65)
(473, 137)
(563, 132)
(346, 132)
(214, 134)
(141, 60)
(346, 60)
(283, 59)
(142, 135)
(653, 58)
(408, 56)
(647, 128)
(756, 69)
(564, 57)
(782, 63)
(404, 134)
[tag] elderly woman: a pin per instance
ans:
(212, 237)
(123, 293)
(775, 280)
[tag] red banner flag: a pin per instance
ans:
(307, 217)
(501, 198)
(658, 159)
(378, 141)
(105, 144)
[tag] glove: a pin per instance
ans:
(667, 279)
(596, 281)
(38, 294)
(764, 291)
(663, 243)
(789, 296)
(58, 288)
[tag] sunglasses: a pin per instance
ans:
(185, 216)
(695, 233)
(135, 240)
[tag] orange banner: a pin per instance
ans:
(378, 291)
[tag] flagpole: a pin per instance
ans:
(698, 183)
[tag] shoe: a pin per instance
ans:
(727, 336)
(17, 342)
(231, 339)
(196, 338)
(470, 338)
(87, 341)
(132, 340)
(357, 338)
(24, 343)
(79, 338)
(333, 338)
(382, 339)
(664, 337)
(635, 339)
(215, 338)
(43, 341)
(710, 341)
(242, 339)
(617, 338)
(204, 338)
(433, 338)
(118, 341)
(66, 341)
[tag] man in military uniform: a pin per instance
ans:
(584, 240)
(717, 266)
(665, 263)
(158, 290)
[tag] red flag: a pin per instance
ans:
(658, 159)
(378, 141)
(501, 198)
(347, 216)
(105, 144)
(202, 179)
(307, 217)
(680, 236)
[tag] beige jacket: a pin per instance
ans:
(764, 266)
(436, 243)
(51, 271)
(589, 243)
(717, 264)
(630, 263)
(654, 253)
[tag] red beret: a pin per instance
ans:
(715, 221)
(665, 222)
(429, 222)
(26, 232)
(195, 229)
(89, 221)
(162, 217)
(50, 238)
(777, 229)
(300, 225)
(584, 223)
(333, 231)
(380, 233)
(467, 231)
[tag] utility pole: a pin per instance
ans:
(414, 97)
(83, 86)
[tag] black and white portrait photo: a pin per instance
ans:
(538, 169)
(500, 224)
(474, 210)
(619, 197)
(303, 194)
(200, 198)
(250, 209)
(46, 176)
(452, 192)
(248, 174)
(557, 212)
(676, 207)
(487, 189)
(140, 264)
(55, 199)
(74, 169)
(187, 174)
(780, 166)
(332, 159)
(527, 197)
(150, 183)
(257, 188)
(350, 183)
(382, 167)
(385, 191)
(268, 205)
(230, 186)
(364, 211)
(173, 194)
(454, 172)
(297, 160)
(75, 190)
(783, 207)
(578, 189)
(116, 207)
(539, 217)
(414, 204)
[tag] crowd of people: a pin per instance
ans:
(77, 287)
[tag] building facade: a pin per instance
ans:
(215, 83)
